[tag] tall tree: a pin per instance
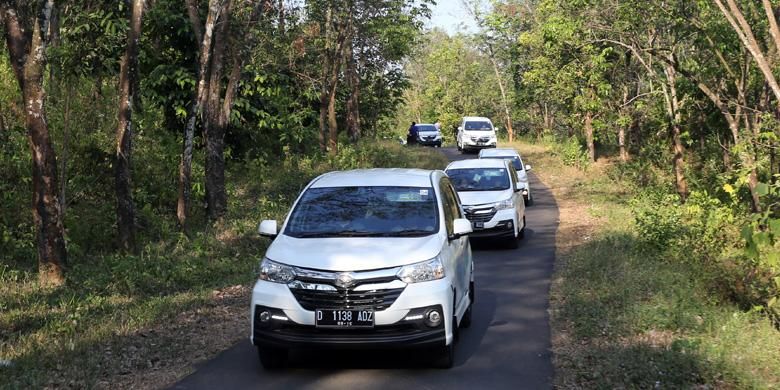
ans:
(204, 40)
(27, 35)
(128, 80)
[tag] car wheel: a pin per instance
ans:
(465, 322)
(529, 201)
(272, 358)
(444, 357)
(460, 148)
(521, 233)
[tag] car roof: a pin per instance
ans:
(425, 124)
(475, 118)
(376, 177)
(478, 163)
(499, 152)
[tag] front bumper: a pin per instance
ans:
(293, 326)
(287, 334)
(470, 144)
(433, 142)
(503, 224)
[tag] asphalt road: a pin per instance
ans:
(506, 347)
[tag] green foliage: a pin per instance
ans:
(703, 225)
(759, 267)
(450, 79)
(109, 293)
(570, 150)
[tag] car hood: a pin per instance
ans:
(353, 253)
(471, 198)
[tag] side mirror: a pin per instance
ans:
(519, 187)
(268, 228)
(461, 227)
(460, 128)
(528, 167)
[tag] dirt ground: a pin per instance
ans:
(158, 357)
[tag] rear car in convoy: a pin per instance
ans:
(428, 135)
(474, 133)
(491, 198)
(517, 162)
(366, 259)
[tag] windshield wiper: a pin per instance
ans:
(356, 233)
(411, 232)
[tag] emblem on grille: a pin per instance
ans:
(344, 280)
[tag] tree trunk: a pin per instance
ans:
(29, 69)
(195, 110)
(726, 156)
(740, 25)
(589, 136)
(213, 126)
(125, 210)
(353, 103)
(622, 144)
(622, 129)
(335, 36)
(333, 127)
(507, 115)
(675, 118)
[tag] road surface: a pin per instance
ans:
(506, 347)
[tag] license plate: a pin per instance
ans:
(479, 225)
(335, 318)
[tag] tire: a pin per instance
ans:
(465, 322)
(272, 358)
(521, 233)
(444, 357)
(528, 201)
(460, 149)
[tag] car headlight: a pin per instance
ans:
(272, 271)
(422, 272)
(504, 204)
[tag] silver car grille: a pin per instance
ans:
(374, 290)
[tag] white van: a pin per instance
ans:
(476, 132)
(375, 258)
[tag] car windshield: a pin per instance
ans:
(479, 179)
(426, 128)
(478, 126)
(515, 160)
(365, 212)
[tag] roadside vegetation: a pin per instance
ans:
(666, 113)
(92, 330)
(648, 293)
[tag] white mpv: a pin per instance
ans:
(521, 169)
(366, 259)
(476, 132)
(492, 197)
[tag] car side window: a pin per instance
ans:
(446, 201)
(513, 175)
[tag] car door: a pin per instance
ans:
(459, 249)
(517, 196)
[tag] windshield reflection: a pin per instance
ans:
(479, 179)
(365, 212)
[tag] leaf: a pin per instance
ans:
(728, 188)
(762, 189)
